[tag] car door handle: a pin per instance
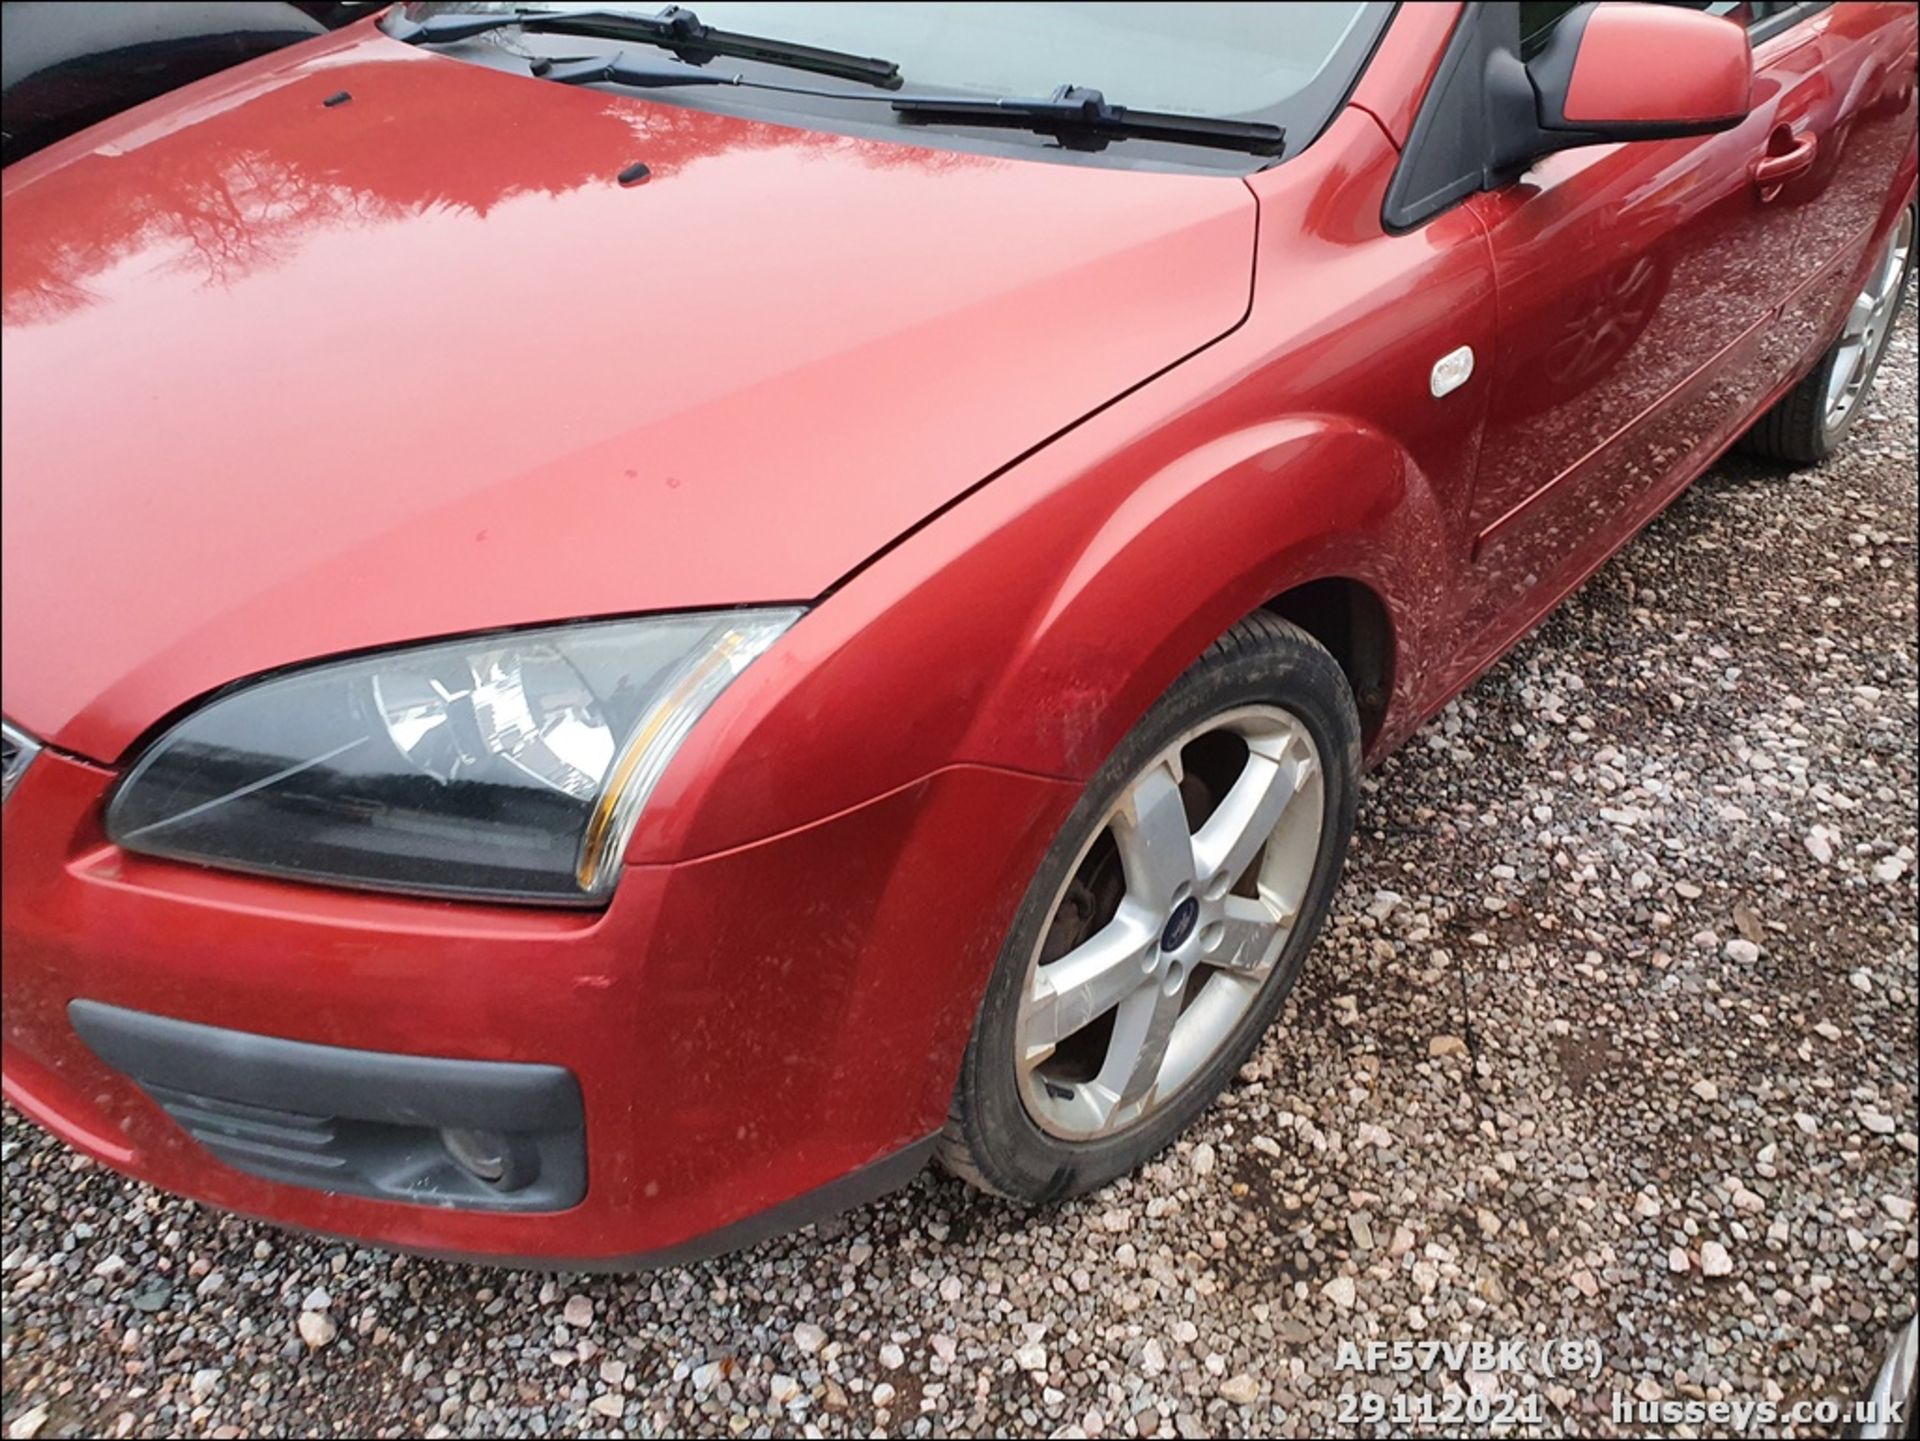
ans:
(1770, 172)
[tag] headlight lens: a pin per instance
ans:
(507, 766)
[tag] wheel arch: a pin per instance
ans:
(1320, 519)
(1351, 619)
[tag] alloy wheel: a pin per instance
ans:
(1867, 325)
(1171, 922)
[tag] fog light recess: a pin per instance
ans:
(490, 1157)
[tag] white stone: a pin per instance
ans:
(1241, 1390)
(1340, 1291)
(1379, 1137)
(316, 1328)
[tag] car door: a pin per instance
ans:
(1635, 284)
(1865, 132)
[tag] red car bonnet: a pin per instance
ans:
(286, 378)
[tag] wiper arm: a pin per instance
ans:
(620, 68)
(1083, 116)
(674, 28)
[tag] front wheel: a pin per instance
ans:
(1809, 422)
(1166, 923)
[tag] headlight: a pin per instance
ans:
(506, 766)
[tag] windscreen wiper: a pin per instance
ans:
(1081, 118)
(674, 28)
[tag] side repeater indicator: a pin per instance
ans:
(1451, 371)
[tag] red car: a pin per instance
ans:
(622, 626)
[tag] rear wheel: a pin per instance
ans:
(1810, 421)
(1167, 922)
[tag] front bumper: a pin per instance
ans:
(756, 1035)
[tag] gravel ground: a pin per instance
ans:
(1610, 1041)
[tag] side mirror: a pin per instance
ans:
(1625, 71)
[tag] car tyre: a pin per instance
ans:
(1266, 671)
(1810, 421)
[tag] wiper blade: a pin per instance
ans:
(674, 28)
(1083, 119)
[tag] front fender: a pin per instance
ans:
(1029, 627)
